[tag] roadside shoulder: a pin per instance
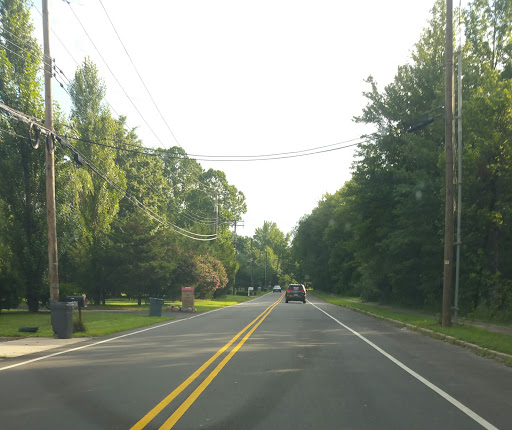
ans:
(477, 349)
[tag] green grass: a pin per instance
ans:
(96, 323)
(483, 338)
(102, 323)
(201, 305)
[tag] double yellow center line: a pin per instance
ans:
(173, 419)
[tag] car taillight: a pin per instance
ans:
(289, 291)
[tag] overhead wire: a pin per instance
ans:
(23, 58)
(138, 74)
(183, 212)
(189, 215)
(277, 153)
(13, 133)
(24, 117)
(113, 75)
(267, 157)
(140, 77)
(243, 158)
(135, 201)
(73, 58)
(62, 140)
(12, 42)
(194, 156)
(58, 71)
(55, 34)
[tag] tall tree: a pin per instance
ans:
(22, 178)
(486, 277)
(98, 201)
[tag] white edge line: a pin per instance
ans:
(117, 337)
(487, 425)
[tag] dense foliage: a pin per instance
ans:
(265, 259)
(123, 212)
(381, 235)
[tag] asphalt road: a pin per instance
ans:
(263, 364)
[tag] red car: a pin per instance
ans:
(296, 292)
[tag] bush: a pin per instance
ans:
(211, 276)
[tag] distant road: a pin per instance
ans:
(265, 365)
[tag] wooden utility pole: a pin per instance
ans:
(252, 268)
(449, 138)
(459, 184)
(234, 276)
(265, 284)
(216, 213)
(53, 268)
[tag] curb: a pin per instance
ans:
(478, 350)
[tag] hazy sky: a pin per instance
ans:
(244, 78)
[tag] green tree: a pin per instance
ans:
(138, 265)
(381, 234)
(309, 247)
(22, 180)
(98, 203)
(486, 276)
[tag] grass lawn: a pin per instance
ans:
(102, 323)
(483, 338)
(96, 323)
(201, 305)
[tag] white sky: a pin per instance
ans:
(235, 77)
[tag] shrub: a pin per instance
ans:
(211, 276)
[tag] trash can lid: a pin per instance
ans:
(62, 305)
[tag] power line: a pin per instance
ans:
(31, 120)
(183, 212)
(24, 42)
(24, 117)
(55, 34)
(184, 232)
(113, 75)
(282, 157)
(135, 201)
(52, 65)
(278, 153)
(190, 216)
(235, 158)
(138, 74)
(20, 56)
(73, 58)
(12, 133)
(278, 156)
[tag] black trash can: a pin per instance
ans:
(155, 307)
(62, 319)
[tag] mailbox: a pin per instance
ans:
(80, 300)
